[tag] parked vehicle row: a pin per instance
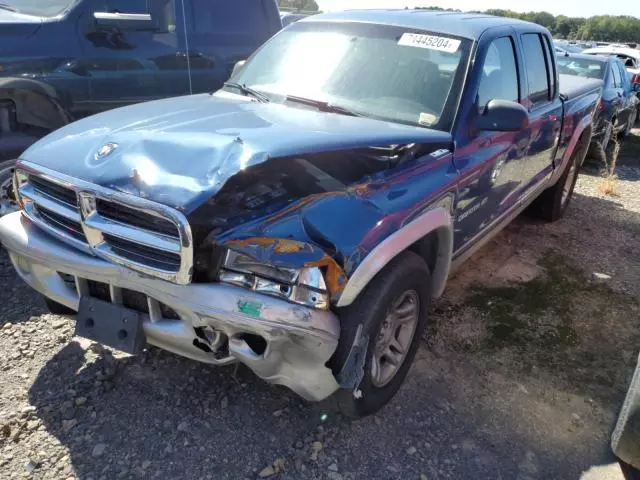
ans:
(617, 110)
(301, 219)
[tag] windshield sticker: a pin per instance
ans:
(431, 42)
(427, 119)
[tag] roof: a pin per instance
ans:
(608, 50)
(469, 25)
(601, 58)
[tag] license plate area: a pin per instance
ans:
(110, 324)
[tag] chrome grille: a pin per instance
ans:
(145, 236)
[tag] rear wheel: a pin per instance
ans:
(392, 314)
(553, 202)
(630, 123)
(608, 134)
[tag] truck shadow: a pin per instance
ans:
(462, 413)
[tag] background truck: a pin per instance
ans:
(301, 219)
(62, 60)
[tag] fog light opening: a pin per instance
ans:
(255, 342)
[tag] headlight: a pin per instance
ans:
(305, 286)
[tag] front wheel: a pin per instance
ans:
(7, 197)
(392, 314)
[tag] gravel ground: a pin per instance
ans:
(520, 376)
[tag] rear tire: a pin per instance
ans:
(57, 308)
(553, 202)
(630, 123)
(401, 290)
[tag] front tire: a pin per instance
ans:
(393, 314)
(7, 197)
(57, 308)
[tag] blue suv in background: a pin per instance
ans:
(61, 60)
(617, 110)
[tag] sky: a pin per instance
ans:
(571, 8)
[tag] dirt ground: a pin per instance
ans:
(520, 376)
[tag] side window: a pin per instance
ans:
(624, 75)
(499, 74)
(222, 16)
(550, 66)
(617, 79)
(537, 69)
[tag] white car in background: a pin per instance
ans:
(629, 56)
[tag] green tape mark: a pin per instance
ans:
(250, 308)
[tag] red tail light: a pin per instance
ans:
(635, 80)
(600, 105)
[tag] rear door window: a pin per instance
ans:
(537, 70)
(223, 16)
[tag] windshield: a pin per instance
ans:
(40, 8)
(582, 67)
(383, 72)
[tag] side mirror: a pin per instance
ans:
(503, 116)
(123, 22)
(237, 67)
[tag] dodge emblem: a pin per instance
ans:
(105, 150)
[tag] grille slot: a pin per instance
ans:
(140, 234)
(70, 227)
(54, 191)
(130, 216)
(143, 254)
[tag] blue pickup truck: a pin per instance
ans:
(301, 219)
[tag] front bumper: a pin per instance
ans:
(299, 341)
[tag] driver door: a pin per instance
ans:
(490, 162)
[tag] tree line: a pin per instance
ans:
(601, 28)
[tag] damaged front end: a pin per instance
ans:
(249, 267)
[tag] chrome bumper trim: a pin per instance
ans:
(299, 340)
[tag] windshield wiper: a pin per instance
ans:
(6, 6)
(248, 91)
(323, 106)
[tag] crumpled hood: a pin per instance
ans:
(181, 151)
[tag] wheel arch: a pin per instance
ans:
(430, 236)
(36, 103)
